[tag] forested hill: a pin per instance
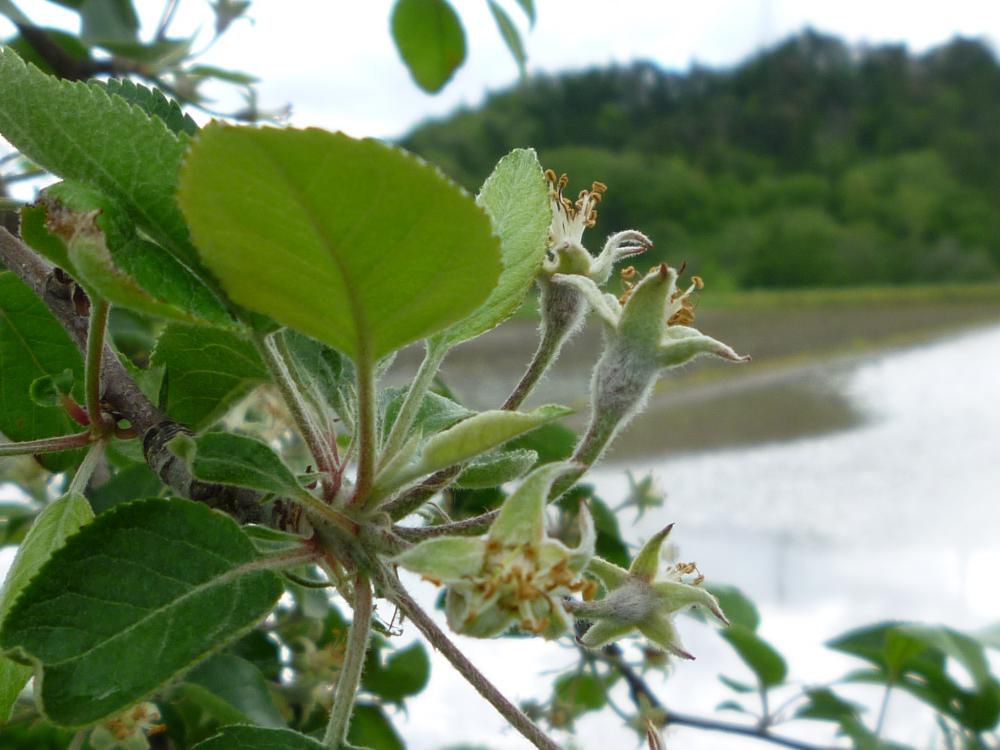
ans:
(813, 163)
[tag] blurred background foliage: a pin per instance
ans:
(813, 163)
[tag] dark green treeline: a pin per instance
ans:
(813, 163)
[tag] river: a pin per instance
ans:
(890, 511)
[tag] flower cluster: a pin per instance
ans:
(514, 575)
(129, 730)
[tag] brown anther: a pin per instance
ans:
(598, 187)
(698, 282)
(156, 729)
(628, 273)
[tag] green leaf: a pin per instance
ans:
(528, 6)
(494, 469)
(445, 558)
(736, 685)
(355, 243)
(436, 412)
(404, 673)
(511, 36)
(552, 442)
(152, 102)
(430, 39)
(481, 433)
(370, 727)
(758, 654)
(58, 521)
(33, 345)
(328, 375)
(916, 659)
(826, 705)
(580, 693)
(137, 597)
(109, 258)
(258, 738)
(516, 197)
(108, 21)
(48, 390)
(208, 371)
(225, 458)
(98, 145)
(235, 691)
(137, 480)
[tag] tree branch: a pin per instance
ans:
(612, 656)
(68, 304)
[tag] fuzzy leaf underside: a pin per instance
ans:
(516, 197)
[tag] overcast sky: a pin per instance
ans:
(334, 61)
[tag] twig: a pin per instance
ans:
(56, 290)
(46, 445)
(612, 655)
(514, 716)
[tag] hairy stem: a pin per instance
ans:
(414, 398)
(439, 640)
(549, 344)
(46, 445)
(97, 326)
(354, 662)
(365, 430)
(276, 359)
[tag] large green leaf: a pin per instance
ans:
(33, 345)
(430, 39)
(355, 243)
(49, 532)
(138, 596)
(258, 738)
(79, 132)
(208, 371)
(516, 197)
